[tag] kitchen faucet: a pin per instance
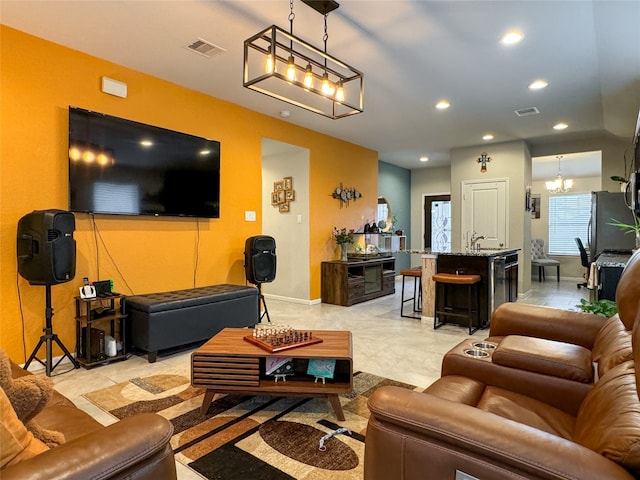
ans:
(474, 240)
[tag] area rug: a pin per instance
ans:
(252, 437)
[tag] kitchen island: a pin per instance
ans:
(498, 270)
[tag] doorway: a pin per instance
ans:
(437, 223)
(290, 227)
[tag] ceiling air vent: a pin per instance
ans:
(205, 48)
(523, 112)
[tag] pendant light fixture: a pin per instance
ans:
(283, 66)
(559, 185)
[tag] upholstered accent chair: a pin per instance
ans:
(540, 259)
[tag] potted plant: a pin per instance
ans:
(629, 228)
(604, 308)
(343, 238)
(621, 180)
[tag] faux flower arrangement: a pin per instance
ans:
(342, 236)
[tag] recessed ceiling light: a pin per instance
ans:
(512, 37)
(146, 143)
(487, 136)
(560, 126)
(424, 159)
(285, 113)
(538, 84)
(443, 105)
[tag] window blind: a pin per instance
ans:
(569, 216)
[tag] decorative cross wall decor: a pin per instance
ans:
(483, 160)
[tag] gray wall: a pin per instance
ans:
(509, 160)
(394, 183)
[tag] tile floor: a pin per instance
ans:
(384, 344)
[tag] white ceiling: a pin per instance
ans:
(413, 53)
(572, 165)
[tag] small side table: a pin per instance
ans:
(91, 316)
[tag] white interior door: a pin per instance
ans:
(484, 211)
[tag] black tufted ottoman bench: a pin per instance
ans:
(159, 321)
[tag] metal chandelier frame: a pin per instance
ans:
(283, 49)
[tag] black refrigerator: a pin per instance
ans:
(607, 207)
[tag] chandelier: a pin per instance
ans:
(559, 185)
(285, 67)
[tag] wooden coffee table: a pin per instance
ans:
(229, 364)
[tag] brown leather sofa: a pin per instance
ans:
(134, 448)
(539, 412)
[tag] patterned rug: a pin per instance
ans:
(251, 437)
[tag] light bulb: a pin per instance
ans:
(75, 154)
(103, 159)
(327, 88)
(308, 77)
(511, 37)
(538, 84)
(291, 69)
(88, 156)
(340, 92)
(269, 66)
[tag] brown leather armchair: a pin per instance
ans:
(531, 419)
(554, 355)
(135, 448)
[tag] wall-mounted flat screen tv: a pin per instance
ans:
(119, 166)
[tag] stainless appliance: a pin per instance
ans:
(499, 289)
(610, 267)
(607, 207)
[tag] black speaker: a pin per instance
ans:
(46, 248)
(260, 259)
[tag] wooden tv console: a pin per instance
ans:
(357, 280)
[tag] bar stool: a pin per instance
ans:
(416, 273)
(444, 281)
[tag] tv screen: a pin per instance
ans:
(119, 166)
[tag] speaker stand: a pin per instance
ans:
(48, 338)
(264, 312)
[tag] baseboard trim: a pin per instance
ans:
(534, 279)
(300, 301)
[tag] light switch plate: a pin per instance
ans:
(249, 216)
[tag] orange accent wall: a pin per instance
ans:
(39, 80)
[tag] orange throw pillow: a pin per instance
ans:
(16, 442)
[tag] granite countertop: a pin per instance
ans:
(483, 252)
(612, 260)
